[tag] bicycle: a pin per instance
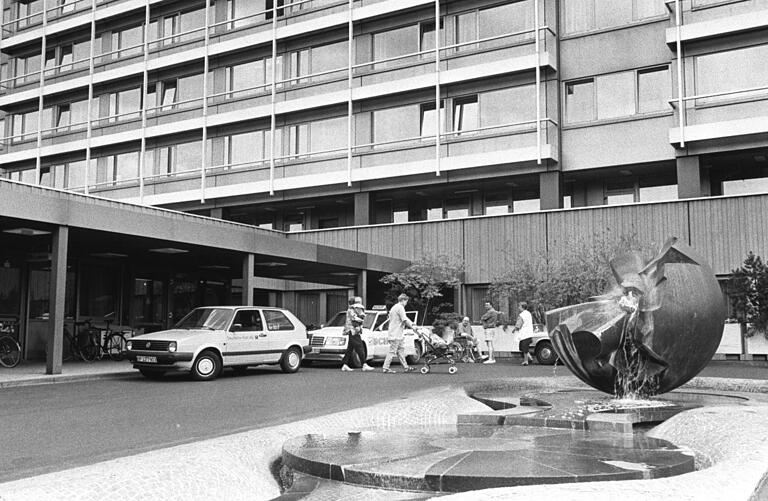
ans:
(83, 344)
(10, 352)
(114, 345)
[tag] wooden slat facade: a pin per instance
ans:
(721, 229)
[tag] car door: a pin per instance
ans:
(380, 336)
(245, 339)
(280, 331)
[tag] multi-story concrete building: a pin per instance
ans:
(316, 114)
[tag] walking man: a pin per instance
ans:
(524, 326)
(397, 322)
(489, 319)
(353, 327)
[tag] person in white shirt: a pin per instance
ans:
(398, 320)
(524, 326)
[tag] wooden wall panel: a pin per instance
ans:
(651, 224)
(723, 230)
(492, 244)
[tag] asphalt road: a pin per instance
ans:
(60, 426)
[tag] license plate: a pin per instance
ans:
(315, 350)
(148, 360)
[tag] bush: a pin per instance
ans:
(749, 294)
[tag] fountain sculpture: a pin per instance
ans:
(654, 332)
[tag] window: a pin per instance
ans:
(277, 321)
(496, 203)
(128, 41)
(745, 186)
(190, 89)
(585, 15)
(28, 69)
(249, 75)
(428, 119)
(658, 193)
(298, 139)
(528, 205)
(245, 12)
(329, 57)
(63, 115)
(731, 71)
(181, 157)
(465, 114)
(620, 193)
(614, 95)
(248, 147)
(329, 134)
(397, 42)
(188, 156)
(493, 22)
(618, 95)
(580, 101)
(507, 106)
(395, 124)
(168, 94)
(248, 320)
(653, 89)
(125, 103)
(457, 208)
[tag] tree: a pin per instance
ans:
(749, 294)
(425, 280)
(579, 276)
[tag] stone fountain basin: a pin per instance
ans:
(463, 458)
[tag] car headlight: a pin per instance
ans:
(129, 345)
(172, 346)
(336, 341)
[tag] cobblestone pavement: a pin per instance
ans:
(733, 441)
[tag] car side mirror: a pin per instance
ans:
(236, 327)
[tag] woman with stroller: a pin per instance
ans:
(353, 327)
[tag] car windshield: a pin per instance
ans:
(206, 318)
(341, 317)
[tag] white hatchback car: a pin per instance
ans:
(329, 343)
(210, 338)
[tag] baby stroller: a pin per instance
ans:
(435, 348)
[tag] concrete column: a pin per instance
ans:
(688, 177)
(322, 307)
(55, 337)
(217, 212)
(249, 281)
(551, 190)
(595, 193)
(362, 286)
(362, 209)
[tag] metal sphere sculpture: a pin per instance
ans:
(656, 331)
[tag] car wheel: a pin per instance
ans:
(291, 360)
(152, 374)
(545, 353)
(414, 359)
(207, 366)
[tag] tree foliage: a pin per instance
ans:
(425, 280)
(749, 294)
(582, 273)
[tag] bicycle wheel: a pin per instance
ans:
(10, 352)
(115, 346)
(89, 346)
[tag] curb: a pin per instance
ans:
(64, 378)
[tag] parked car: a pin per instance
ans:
(541, 346)
(329, 343)
(208, 339)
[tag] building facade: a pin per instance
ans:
(318, 114)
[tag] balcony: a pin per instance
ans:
(721, 115)
(699, 20)
(483, 58)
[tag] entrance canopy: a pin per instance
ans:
(109, 229)
(47, 232)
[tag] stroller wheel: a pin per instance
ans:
(425, 369)
(452, 369)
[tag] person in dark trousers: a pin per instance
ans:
(353, 327)
(490, 320)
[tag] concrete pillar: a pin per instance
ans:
(362, 286)
(322, 307)
(551, 190)
(217, 212)
(362, 209)
(595, 193)
(689, 177)
(249, 281)
(55, 337)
